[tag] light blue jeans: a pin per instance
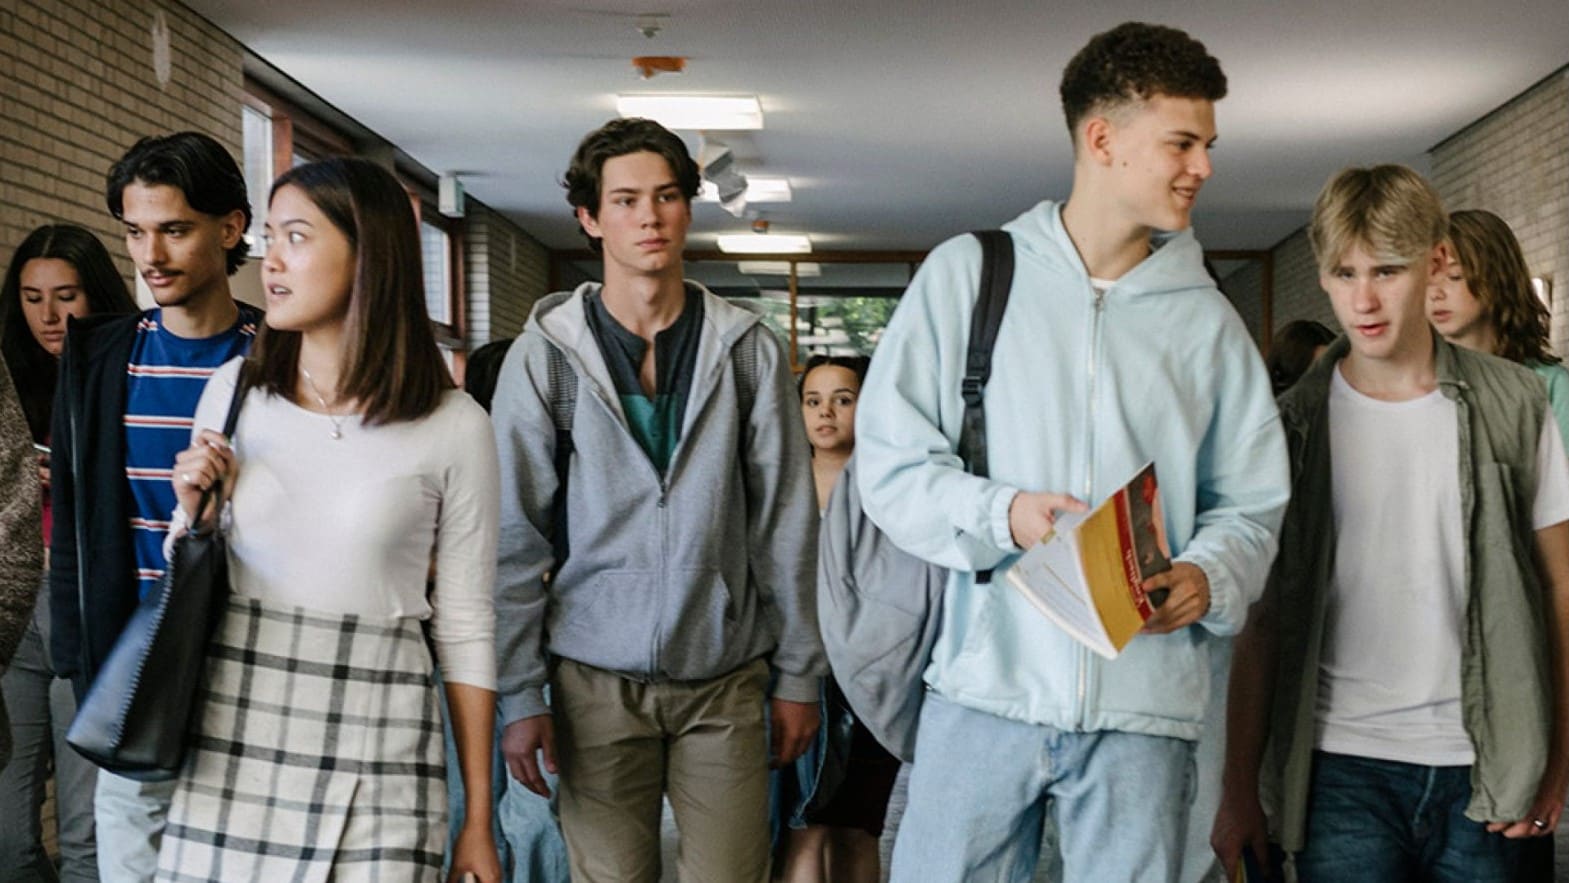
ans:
(131, 816)
(981, 785)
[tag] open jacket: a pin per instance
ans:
(1506, 684)
(1085, 389)
(682, 576)
(92, 557)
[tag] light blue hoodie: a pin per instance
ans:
(1084, 390)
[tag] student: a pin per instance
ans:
(690, 540)
(348, 480)
(1406, 666)
(59, 271)
(1293, 350)
(126, 391)
(1483, 301)
(836, 794)
(1116, 349)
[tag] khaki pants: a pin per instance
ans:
(623, 744)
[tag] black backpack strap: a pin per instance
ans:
(562, 381)
(744, 357)
(985, 319)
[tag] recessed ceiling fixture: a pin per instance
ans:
(764, 243)
(803, 269)
(720, 113)
(758, 189)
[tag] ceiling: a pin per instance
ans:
(901, 122)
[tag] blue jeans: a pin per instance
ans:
(130, 816)
(1381, 820)
(41, 707)
(528, 837)
(981, 784)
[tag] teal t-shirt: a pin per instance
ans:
(1557, 378)
(655, 421)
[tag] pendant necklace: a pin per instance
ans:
(337, 422)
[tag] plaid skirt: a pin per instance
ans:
(318, 754)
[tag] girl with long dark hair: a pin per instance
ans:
(58, 272)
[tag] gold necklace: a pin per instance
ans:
(337, 422)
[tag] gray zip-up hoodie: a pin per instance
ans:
(685, 576)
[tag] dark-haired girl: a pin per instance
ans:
(58, 272)
(836, 794)
(354, 466)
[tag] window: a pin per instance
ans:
(436, 253)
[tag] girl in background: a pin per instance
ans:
(837, 793)
(1484, 301)
(59, 271)
(355, 464)
(1293, 349)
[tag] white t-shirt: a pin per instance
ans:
(1389, 677)
(352, 525)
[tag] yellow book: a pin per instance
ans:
(1087, 575)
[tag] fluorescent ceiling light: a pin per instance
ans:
(708, 112)
(758, 189)
(803, 269)
(764, 243)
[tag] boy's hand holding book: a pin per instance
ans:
(1180, 596)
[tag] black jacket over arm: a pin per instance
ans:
(92, 579)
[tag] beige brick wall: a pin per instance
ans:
(1297, 295)
(1514, 162)
(1244, 287)
(507, 270)
(79, 87)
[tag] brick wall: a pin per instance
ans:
(506, 271)
(80, 86)
(1514, 162)
(1244, 287)
(1297, 295)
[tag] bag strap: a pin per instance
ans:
(562, 381)
(214, 491)
(995, 286)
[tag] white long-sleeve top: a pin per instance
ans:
(352, 525)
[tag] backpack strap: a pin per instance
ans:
(996, 284)
(562, 381)
(743, 355)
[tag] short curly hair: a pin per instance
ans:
(620, 137)
(1132, 63)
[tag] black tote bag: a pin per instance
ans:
(135, 716)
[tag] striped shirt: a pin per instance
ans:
(166, 377)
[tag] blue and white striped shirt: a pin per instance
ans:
(167, 375)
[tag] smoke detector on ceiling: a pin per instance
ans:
(649, 24)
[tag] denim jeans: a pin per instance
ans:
(41, 707)
(981, 784)
(1381, 820)
(528, 837)
(131, 817)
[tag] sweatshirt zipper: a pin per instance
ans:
(1089, 480)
